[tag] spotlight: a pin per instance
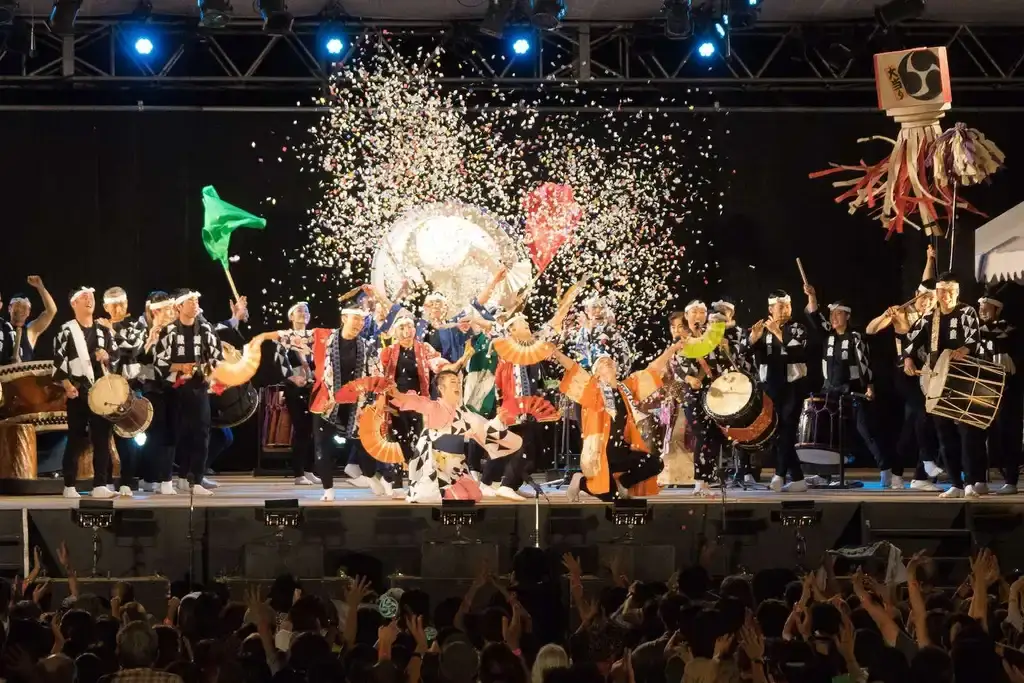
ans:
(722, 27)
(498, 13)
(521, 46)
(629, 513)
(334, 46)
(340, 440)
(140, 438)
(143, 46)
(547, 14)
(214, 13)
(898, 10)
(706, 49)
(276, 17)
(7, 10)
(62, 17)
(281, 514)
(677, 19)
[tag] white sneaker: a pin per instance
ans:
(125, 492)
(387, 487)
(328, 496)
(209, 483)
(897, 483)
(952, 492)
(932, 469)
(798, 486)
(167, 489)
(102, 492)
(476, 475)
(749, 479)
(885, 478)
(981, 487)
(508, 494)
(923, 485)
(376, 486)
(971, 492)
(70, 492)
(572, 492)
(200, 490)
(181, 484)
(487, 491)
(304, 481)
(1006, 490)
(313, 478)
(777, 483)
(353, 471)
(815, 480)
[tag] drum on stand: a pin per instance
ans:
(30, 395)
(967, 391)
(743, 412)
(233, 406)
(825, 427)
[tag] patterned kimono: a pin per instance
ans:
(427, 360)
(440, 460)
(480, 391)
(326, 358)
(581, 387)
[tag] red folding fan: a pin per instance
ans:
(351, 391)
(536, 407)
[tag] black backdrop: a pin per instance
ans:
(105, 198)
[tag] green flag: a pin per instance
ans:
(220, 219)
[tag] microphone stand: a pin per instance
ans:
(190, 536)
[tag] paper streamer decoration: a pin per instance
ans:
(551, 215)
(699, 347)
(964, 156)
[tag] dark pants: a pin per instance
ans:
(962, 446)
(510, 470)
(523, 463)
(634, 466)
(85, 427)
(158, 453)
(192, 431)
(788, 401)
(709, 441)
(405, 428)
(325, 445)
(296, 399)
(221, 439)
(864, 421)
(130, 454)
(1003, 438)
(917, 442)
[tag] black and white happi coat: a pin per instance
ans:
(781, 362)
(367, 365)
(739, 346)
(6, 342)
(74, 353)
(293, 354)
(206, 351)
(131, 336)
(997, 343)
(845, 358)
(707, 369)
(936, 332)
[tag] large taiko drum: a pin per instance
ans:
(743, 412)
(826, 425)
(967, 391)
(30, 395)
(234, 405)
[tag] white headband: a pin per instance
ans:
(404, 320)
(122, 299)
(772, 300)
(354, 311)
(157, 305)
(983, 300)
(723, 304)
(185, 297)
(18, 300)
(516, 318)
(921, 289)
(694, 304)
(295, 306)
(839, 307)
(80, 292)
(436, 296)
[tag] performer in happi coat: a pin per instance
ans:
(294, 357)
(1000, 344)
(82, 352)
(18, 336)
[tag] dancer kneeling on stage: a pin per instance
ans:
(612, 444)
(186, 355)
(440, 462)
(698, 373)
(82, 352)
(952, 326)
(846, 367)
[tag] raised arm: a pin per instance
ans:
(929, 264)
(485, 293)
(659, 366)
(39, 325)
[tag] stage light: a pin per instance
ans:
(140, 438)
(898, 10)
(62, 17)
(276, 17)
(743, 13)
(334, 46)
(214, 13)
(678, 23)
(498, 13)
(547, 14)
(281, 514)
(722, 27)
(706, 49)
(521, 46)
(340, 440)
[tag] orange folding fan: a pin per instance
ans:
(350, 392)
(374, 439)
(537, 407)
(517, 353)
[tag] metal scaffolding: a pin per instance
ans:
(819, 64)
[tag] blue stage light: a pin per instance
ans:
(334, 45)
(706, 49)
(140, 439)
(521, 46)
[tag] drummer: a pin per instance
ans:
(698, 373)
(846, 368)
(1003, 438)
(186, 354)
(739, 351)
(952, 326)
(18, 337)
(82, 351)
(779, 347)
(294, 356)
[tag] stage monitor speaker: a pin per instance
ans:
(443, 560)
(269, 560)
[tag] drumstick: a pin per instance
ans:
(803, 275)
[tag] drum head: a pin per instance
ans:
(729, 394)
(818, 456)
(933, 381)
(108, 395)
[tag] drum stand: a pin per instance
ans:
(737, 481)
(570, 462)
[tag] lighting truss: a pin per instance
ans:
(827, 64)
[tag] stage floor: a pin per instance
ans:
(249, 491)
